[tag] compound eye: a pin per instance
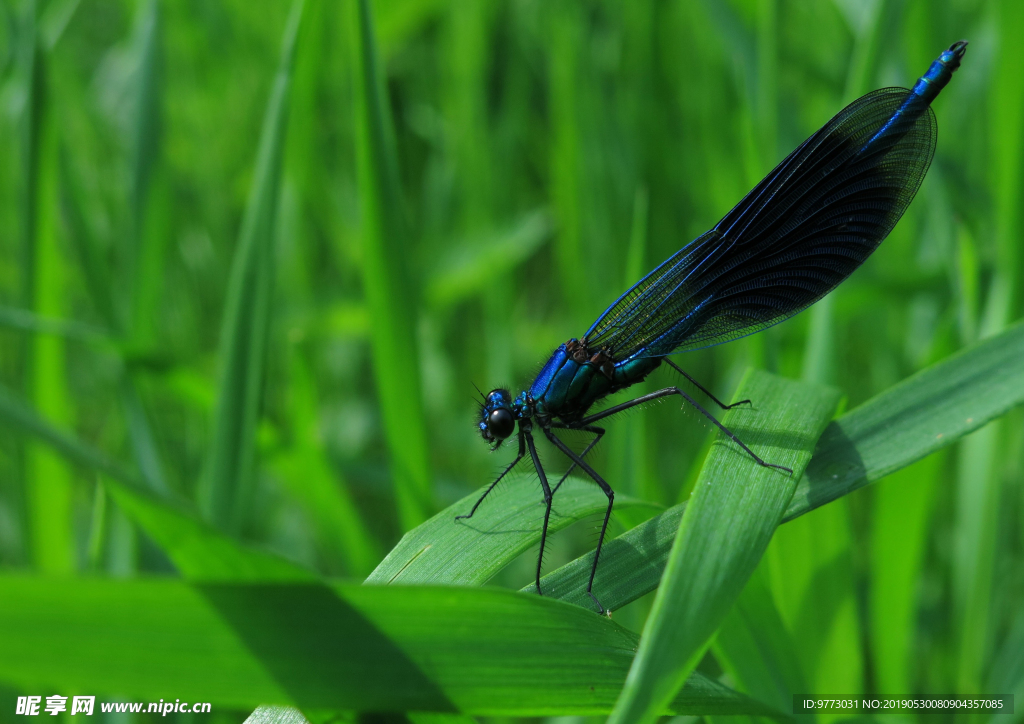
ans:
(501, 423)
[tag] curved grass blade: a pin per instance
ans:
(470, 552)
(339, 647)
(922, 414)
(925, 412)
(195, 548)
(733, 512)
(246, 321)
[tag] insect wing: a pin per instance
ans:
(799, 233)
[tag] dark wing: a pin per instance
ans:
(800, 232)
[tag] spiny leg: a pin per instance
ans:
(676, 391)
(547, 503)
(578, 460)
(701, 387)
(522, 451)
(598, 431)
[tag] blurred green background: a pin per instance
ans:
(290, 339)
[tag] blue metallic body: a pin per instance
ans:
(792, 239)
(577, 376)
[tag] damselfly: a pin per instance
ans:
(800, 232)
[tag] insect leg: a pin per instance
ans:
(676, 391)
(547, 502)
(701, 387)
(598, 431)
(522, 451)
(577, 459)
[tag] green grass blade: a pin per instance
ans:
(445, 550)
(925, 412)
(903, 504)
(26, 321)
(23, 419)
(326, 647)
(48, 479)
(386, 246)
(755, 648)
(85, 243)
(565, 27)
(918, 416)
(146, 132)
(310, 477)
(196, 549)
(810, 569)
(734, 510)
(276, 715)
(224, 488)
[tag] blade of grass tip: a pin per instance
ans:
(320, 646)
(386, 247)
(729, 520)
(48, 479)
(197, 550)
(926, 412)
(245, 326)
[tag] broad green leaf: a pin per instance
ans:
(925, 412)
(386, 246)
(243, 343)
(343, 647)
(471, 551)
(735, 508)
